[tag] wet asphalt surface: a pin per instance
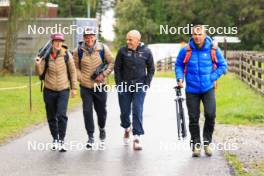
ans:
(162, 154)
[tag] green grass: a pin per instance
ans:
(111, 79)
(15, 81)
(114, 52)
(258, 168)
(254, 170)
(168, 74)
(236, 102)
(15, 115)
(236, 164)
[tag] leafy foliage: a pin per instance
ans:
(148, 15)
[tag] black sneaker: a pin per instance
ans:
(90, 142)
(102, 134)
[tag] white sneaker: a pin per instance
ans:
(54, 145)
(127, 136)
(208, 150)
(62, 147)
(136, 143)
(102, 145)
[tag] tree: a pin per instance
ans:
(18, 13)
(78, 8)
(252, 25)
(148, 15)
(132, 15)
(102, 7)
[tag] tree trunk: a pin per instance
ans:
(11, 36)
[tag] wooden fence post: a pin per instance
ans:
(259, 75)
(253, 73)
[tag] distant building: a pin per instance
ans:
(29, 44)
(165, 50)
(50, 12)
(4, 8)
(32, 35)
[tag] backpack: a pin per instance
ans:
(213, 56)
(66, 59)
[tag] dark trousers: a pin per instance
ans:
(96, 98)
(193, 105)
(56, 103)
(136, 99)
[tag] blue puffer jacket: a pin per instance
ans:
(200, 75)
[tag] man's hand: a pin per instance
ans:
(180, 83)
(100, 78)
(73, 93)
(38, 60)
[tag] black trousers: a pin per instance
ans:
(193, 105)
(56, 103)
(96, 98)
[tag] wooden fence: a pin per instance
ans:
(247, 65)
(165, 65)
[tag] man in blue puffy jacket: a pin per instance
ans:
(200, 74)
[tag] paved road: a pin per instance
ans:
(163, 154)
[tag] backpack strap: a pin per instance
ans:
(80, 55)
(187, 57)
(80, 52)
(66, 59)
(213, 54)
(214, 60)
(42, 76)
(102, 52)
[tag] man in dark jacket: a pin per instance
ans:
(134, 69)
(201, 73)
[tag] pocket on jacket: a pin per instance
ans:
(213, 77)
